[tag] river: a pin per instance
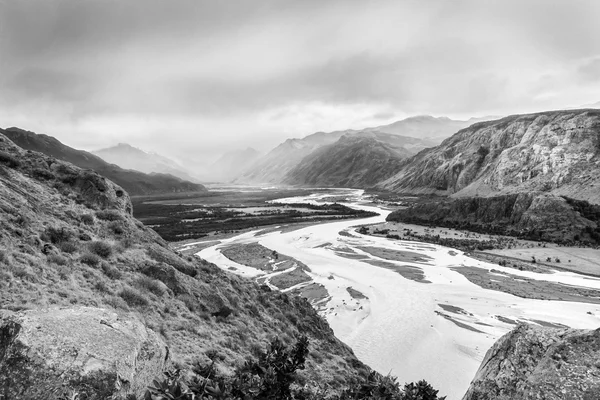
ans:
(438, 331)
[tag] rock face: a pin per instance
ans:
(356, 160)
(535, 215)
(555, 152)
(134, 182)
(88, 351)
(540, 363)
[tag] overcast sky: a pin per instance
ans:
(188, 77)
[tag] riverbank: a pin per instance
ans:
(417, 309)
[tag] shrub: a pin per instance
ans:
(162, 255)
(57, 259)
(133, 298)
(9, 160)
(3, 256)
(57, 235)
(101, 248)
(110, 271)
(109, 215)
(68, 247)
(150, 285)
(90, 259)
(116, 227)
(42, 174)
(88, 219)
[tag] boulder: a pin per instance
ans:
(540, 363)
(91, 352)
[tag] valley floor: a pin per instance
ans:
(417, 310)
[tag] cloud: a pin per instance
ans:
(101, 71)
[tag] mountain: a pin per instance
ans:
(554, 152)
(232, 163)
(129, 157)
(276, 166)
(273, 167)
(535, 176)
(134, 182)
(358, 159)
(427, 127)
(94, 303)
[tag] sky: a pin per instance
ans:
(193, 78)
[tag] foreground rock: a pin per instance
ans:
(87, 351)
(540, 363)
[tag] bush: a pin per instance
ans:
(56, 235)
(90, 259)
(133, 298)
(109, 215)
(9, 160)
(116, 227)
(68, 247)
(150, 285)
(110, 271)
(101, 248)
(88, 219)
(57, 259)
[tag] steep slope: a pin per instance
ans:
(134, 182)
(129, 157)
(540, 363)
(68, 239)
(555, 152)
(278, 162)
(359, 159)
(232, 163)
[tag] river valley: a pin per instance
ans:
(407, 308)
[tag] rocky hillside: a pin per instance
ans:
(540, 363)
(359, 159)
(272, 167)
(533, 215)
(129, 157)
(94, 303)
(134, 182)
(555, 152)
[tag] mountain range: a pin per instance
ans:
(129, 157)
(134, 182)
(306, 161)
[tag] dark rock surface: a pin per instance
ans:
(91, 352)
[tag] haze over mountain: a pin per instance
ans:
(275, 165)
(358, 159)
(428, 127)
(129, 157)
(136, 183)
(231, 164)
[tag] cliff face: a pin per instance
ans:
(554, 152)
(540, 363)
(68, 240)
(533, 215)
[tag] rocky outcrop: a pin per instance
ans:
(540, 363)
(90, 352)
(555, 152)
(134, 182)
(534, 215)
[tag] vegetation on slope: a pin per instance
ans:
(134, 182)
(68, 238)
